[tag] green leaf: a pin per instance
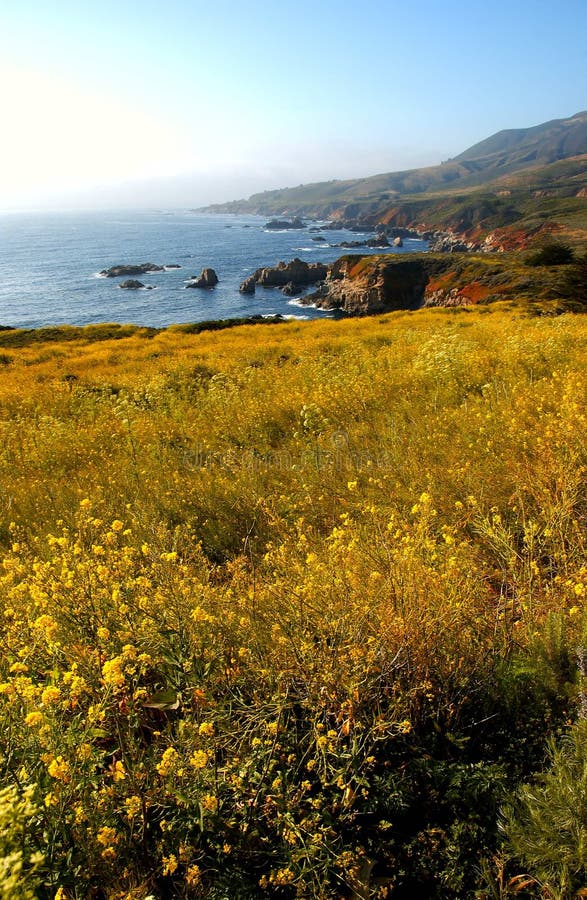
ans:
(163, 700)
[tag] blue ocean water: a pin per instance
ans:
(49, 264)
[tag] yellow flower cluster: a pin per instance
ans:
(266, 559)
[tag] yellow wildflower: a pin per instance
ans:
(199, 759)
(210, 803)
(193, 876)
(107, 836)
(112, 672)
(33, 719)
(169, 864)
(118, 771)
(59, 769)
(133, 806)
(18, 668)
(282, 876)
(169, 761)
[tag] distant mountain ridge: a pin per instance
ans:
(546, 143)
(504, 153)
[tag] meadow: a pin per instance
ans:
(295, 611)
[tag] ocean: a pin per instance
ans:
(49, 265)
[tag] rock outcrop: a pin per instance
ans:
(291, 289)
(447, 242)
(131, 284)
(379, 241)
(372, 284)
(206, 279)
(140, 269)
(297, 271)
(452, 297)
(284, 224)
(248, 285)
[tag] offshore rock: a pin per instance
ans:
(140, 269)
(297, 271)
(284, 224)
(131, 284)
(396, 231)
(379, 241)
(248, 285)
(206, 279)
(291, 289)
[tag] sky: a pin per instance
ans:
(179, 103)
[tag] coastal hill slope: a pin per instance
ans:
(557, 139)
(504, 154)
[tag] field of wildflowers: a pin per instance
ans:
(290, 611)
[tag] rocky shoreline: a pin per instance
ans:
(355, 284)
(393, 235)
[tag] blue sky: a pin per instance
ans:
(191, 101)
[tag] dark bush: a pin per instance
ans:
(572, 288)
(552, 254)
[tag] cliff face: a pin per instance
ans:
(363, 285)
(366, 285)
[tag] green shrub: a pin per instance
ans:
(573, 287)
(546, 826)
(552, 254)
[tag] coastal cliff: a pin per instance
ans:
(363, 285)
(367, 285)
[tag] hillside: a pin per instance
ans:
(517, 147)
(291, 611)
(524, 177)
(504, 153)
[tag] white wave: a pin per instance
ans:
(299, 318)
(295, 302)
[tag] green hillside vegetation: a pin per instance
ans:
(557, 139)
(520, 180)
